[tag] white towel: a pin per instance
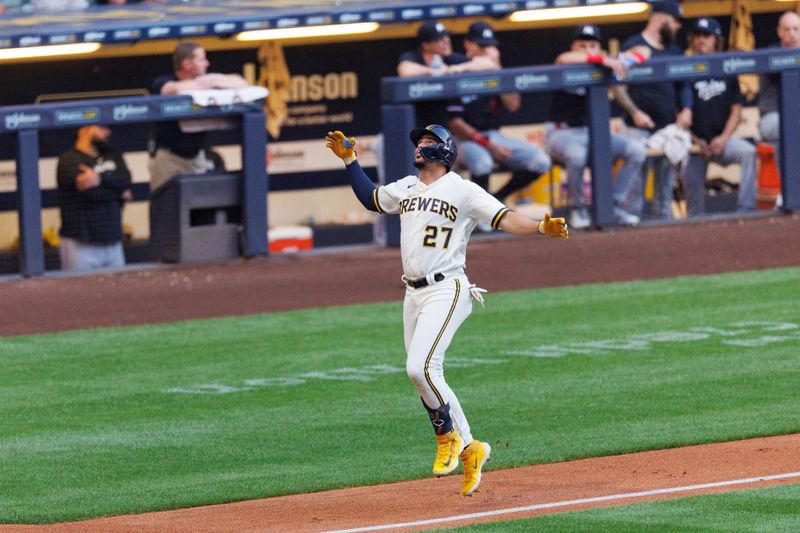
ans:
(675, 142)
(220, 97)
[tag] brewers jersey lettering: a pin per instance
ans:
(436, 220)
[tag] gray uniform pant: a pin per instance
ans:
(78, 256)
(165, 165)
(524, 156)
(570, 146)
(736, 151)
(665, 175)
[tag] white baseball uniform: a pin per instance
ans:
(436, 222)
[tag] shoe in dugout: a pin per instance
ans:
(473, 458)
(447, 454)
(579, 218)
(623, 218)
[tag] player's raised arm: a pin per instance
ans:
(344, 148)
(517, 224)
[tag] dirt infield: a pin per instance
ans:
(547, 489)
(277, 283)
(280, 283)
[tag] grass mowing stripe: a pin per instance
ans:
(318, 399)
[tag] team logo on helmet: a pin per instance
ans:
(445, 152)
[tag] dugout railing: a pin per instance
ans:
(400, 94)
(25, 123)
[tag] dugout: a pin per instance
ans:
(332, 81)
(197, 218)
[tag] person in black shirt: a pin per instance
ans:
(567, 136)
(651, 107)
(475, 120)
(435, 57)
(177, 152)
(769, 125)
(716, 112)
(789, 35)
(93, 184)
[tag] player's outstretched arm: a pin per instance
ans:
(344, 148)
(517, 224)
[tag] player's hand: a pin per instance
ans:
(499, 153)
(617, 67)
(684, 118)
(87, 179)
(717, 145)
(554, 227)
(341, 146)
(642, 120)
(705, 149)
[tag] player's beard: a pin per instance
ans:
(420, 164)
(101, 145)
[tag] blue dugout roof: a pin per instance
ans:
(177, 19)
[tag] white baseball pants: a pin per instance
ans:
(431, 317)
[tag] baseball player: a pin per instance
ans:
(438, 211)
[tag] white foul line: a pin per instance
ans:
(568, 503)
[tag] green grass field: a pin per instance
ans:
(750, 511)
(114, 421)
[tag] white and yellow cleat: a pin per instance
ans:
(473, 458)
(447, 455)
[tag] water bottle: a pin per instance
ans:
(437, 65)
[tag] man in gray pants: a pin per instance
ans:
(717, 110)
(567, 135)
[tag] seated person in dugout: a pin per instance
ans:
(475, 121)
(177, 152)
(652, 107)
(769, 126)
(435, 57)
(716, 111)
(567, 136)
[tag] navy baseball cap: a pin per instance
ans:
(482, 34)
(431, 31)
(707, 25)
(587, 32)
(670, 7)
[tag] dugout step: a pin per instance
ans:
(197, 218)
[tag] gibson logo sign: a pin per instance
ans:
(736, 64)
(525, 81)
(124, 112)
(422, 89)
(21, 120)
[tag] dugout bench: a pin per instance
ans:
(400, 94)
(26, 122)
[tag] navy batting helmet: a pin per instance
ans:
(445, 152)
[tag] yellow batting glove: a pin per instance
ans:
(340, 145)
(554, 227)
